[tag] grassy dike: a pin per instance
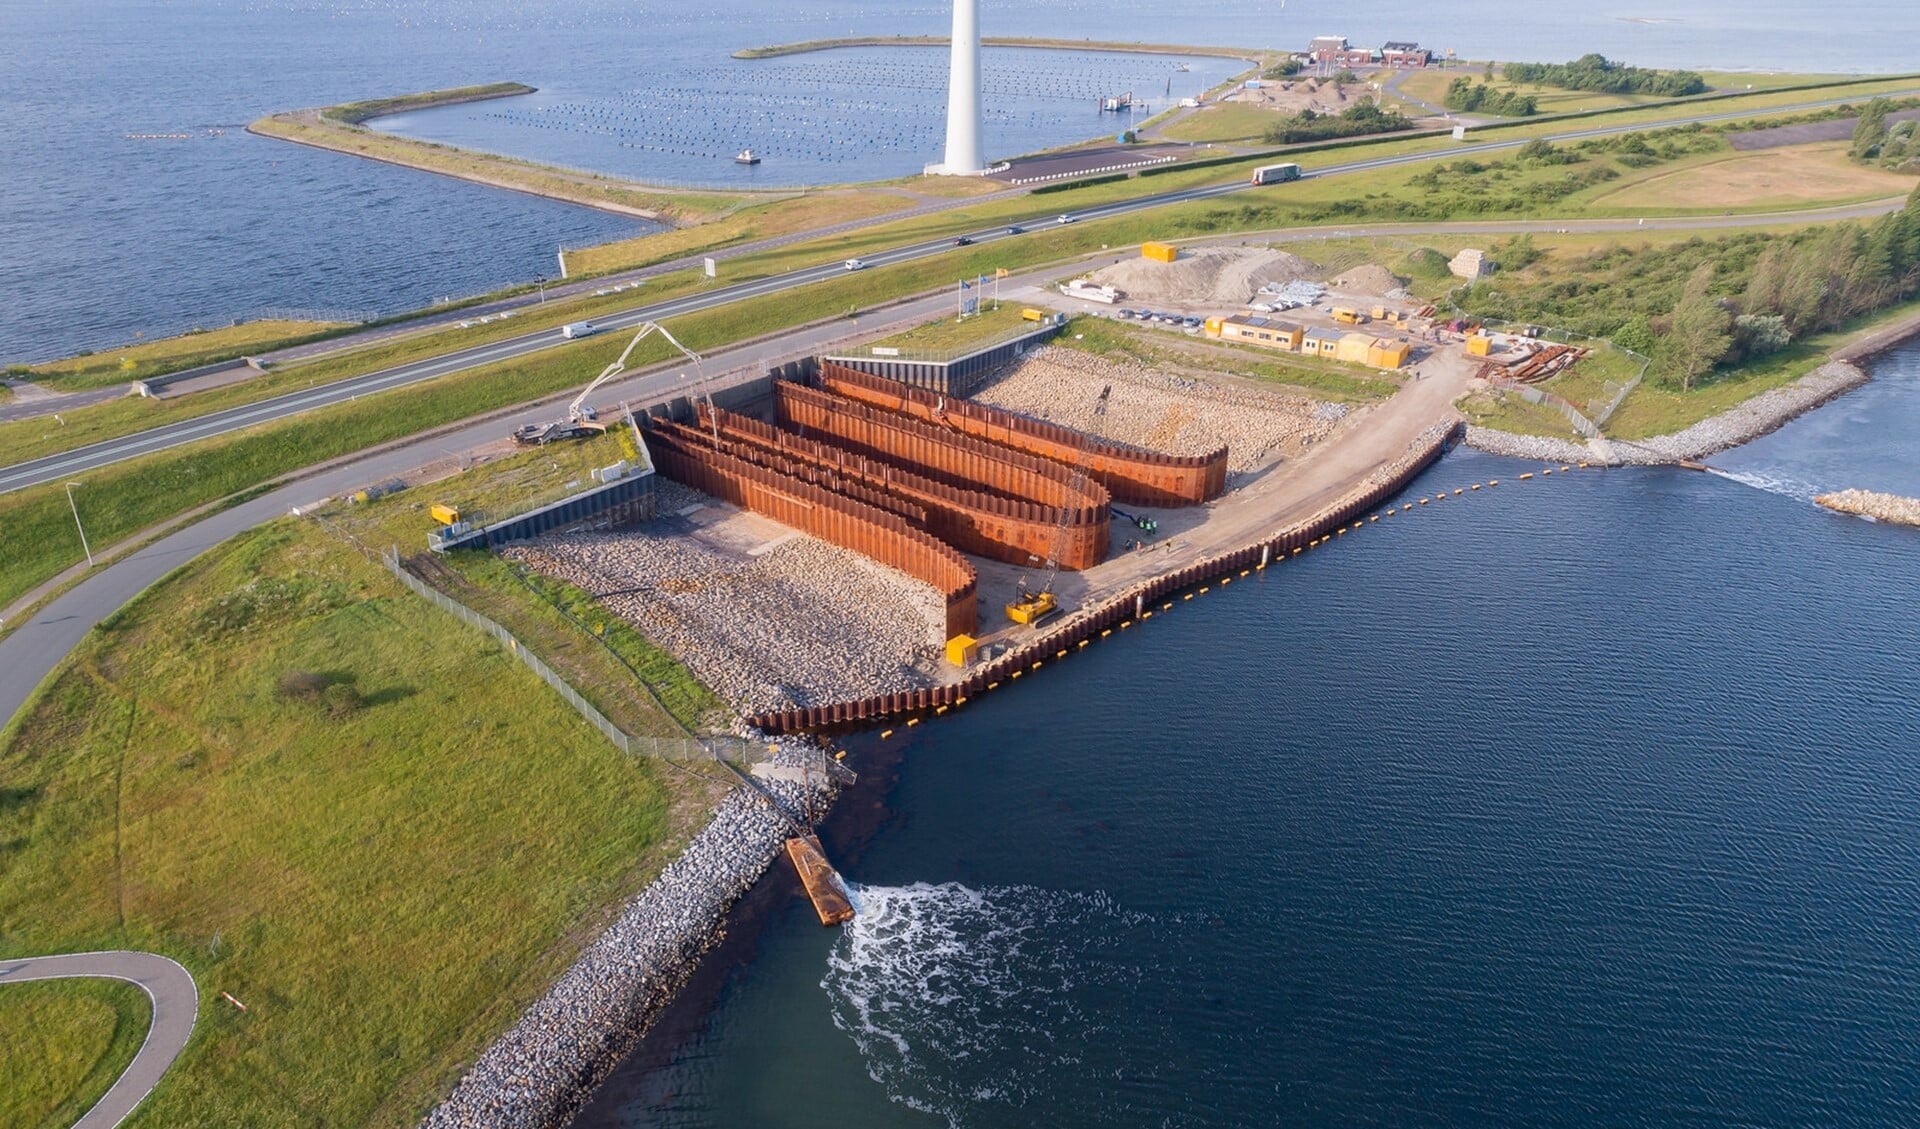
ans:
(138, 360)
(66, 1041)
(321, 794)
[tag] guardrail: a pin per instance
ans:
(1021, 180)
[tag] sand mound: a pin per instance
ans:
(1368, 279)
(1206, 275)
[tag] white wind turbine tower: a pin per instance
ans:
(964, 156)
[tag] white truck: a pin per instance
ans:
(575, 330)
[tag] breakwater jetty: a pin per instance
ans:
(540, 1073)
(1881, 507)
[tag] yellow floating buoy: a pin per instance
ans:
(938, 710)
(1424, 501)
(1457, 491)
(1188, 596)
(1106, 633)
(912, 721)
(1493, 482)
(1475, 486)
(1084, 642)
(1015, 674)
(1036, 665)
(1245, 572)
(1565, 469)
(1546, 472)
(1526, 476)
(993, 685)
(959, 701)
(885, 733)
(1375, 517)
(1062, 654)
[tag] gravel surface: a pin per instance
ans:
(1742, 423)
(1162, 411)
(803, 624)
(539, 1074)
(1205, 275)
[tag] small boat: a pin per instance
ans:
(747, 157)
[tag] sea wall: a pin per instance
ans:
(1132, 475)
(1743, 423)
(974, 521)
(541, 1072)
(855, 520)
(1124, 609)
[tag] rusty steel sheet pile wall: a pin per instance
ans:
(930, 450)
(1011, 530)
(685, 436)
(1112, 615)
(1133, 475)
(832, 517)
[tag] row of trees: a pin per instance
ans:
(1470, 97)
(1361, 118)
(1601, 75)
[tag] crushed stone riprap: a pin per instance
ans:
(1206, 275)
(1162, 411)
(803, 623)
(1867, 503)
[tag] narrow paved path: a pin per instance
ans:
(176, 1003)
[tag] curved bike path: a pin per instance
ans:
(176, 1004)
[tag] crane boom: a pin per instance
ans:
(647, 328)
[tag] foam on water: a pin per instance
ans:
(941, 987)
(1772, 483)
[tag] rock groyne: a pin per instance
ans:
(1880, 507)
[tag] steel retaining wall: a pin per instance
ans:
(1010, 530)
(620, 502)
(929, 450)
(832, 517)
(1133, 475)
(959, 376)
(1115, 614)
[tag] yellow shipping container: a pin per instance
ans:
(1388, 354)
(1480, 345)
(444, 514)
(1214, 324)
(962, 650)
(1354, 348)
(1159, 252)
(1031, 314)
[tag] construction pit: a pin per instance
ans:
(940, 515)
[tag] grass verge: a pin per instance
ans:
(143, 359)
(320, 794)
(66, 1041)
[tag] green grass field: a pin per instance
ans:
(141, 359)
(65, 1043)
(321, 794)
(950, 334)
(1229, 122)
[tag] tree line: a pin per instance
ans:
(1706, 304)
(1361, 118)
(1601, 75)
(1468, 96)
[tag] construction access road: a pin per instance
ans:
(67, 464)
(176, 1004)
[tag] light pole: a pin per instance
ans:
(76, 523)
(542, 280)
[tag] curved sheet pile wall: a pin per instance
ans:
(838, 518)
(1133, 476)
(974, 521)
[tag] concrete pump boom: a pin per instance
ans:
(620, 365)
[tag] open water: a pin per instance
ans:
(103, 237)
(1591, 800)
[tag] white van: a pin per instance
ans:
(578, 329)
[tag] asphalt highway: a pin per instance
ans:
(65, 465)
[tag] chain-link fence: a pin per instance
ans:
(735, 750)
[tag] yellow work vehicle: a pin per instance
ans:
(1030, 608)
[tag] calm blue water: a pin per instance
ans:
(1584, 801)
(102, 238)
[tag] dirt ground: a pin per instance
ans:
(1290, 96)
(1216, 275)
(1805, 174)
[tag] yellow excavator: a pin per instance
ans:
(1030, 607)
(582, 420)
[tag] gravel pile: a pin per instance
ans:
(539, 1074)
(803, 624)
(1881, 507)
(1368, 279)
(1205, 275)
(1740, 424)
(1161, 411)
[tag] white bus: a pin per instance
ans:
(1275, 174)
